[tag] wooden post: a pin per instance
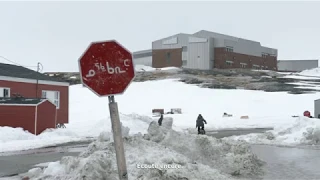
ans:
(118, 141)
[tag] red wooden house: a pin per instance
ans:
(31, 84)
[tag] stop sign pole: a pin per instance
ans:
(118, 141)
(107, 69)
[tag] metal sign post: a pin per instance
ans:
(117, 136)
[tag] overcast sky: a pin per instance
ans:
(57, 33)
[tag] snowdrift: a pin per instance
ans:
(311, 72)
(142, 68)
(302, 131)
(16, 139)
(192, 156)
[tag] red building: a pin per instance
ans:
(206, 50)
(31, 84)
(33, 115)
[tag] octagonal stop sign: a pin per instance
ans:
(106, 68)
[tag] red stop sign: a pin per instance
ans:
(106, 68)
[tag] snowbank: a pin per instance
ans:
(8, 134)
(174, 156)
(300, 77)
(302, 131)
(142, 68)
(311, 72)
(16, 139)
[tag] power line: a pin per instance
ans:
(28, 67)
(15, 62)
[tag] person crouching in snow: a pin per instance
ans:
(200, 124)
(160, 120)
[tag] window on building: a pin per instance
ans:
(229, 49)
(184, 48)
(53, 96)
(264, 55)
(243, 65)
(141, 55)
(254, 66)
(168, 57)
(229, 63)
(184, 63)
(4, 92)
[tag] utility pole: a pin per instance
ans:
(38, 69)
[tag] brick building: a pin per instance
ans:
(207, 50)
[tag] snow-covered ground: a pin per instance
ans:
(311, 72)
(142, 68)
(89, 114)
(160, 154)
(297, 76)
(306, 74)
(301, 132)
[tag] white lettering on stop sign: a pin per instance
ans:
(110, 70)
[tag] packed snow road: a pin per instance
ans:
(281, 162)
(289, 162)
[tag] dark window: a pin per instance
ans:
(254, 66)
(229, 63)
(6, 92)
(243, 65)
(264, 55)
(184, 48)
(44, 94)
(229, 49)
(168, 57)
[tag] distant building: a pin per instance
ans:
(297, 65)
(317, 108)
(207, 50)
(143, 57)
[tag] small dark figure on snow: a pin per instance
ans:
(160, 120)
(200, 124)
(307, 114)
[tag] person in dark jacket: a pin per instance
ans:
(200, 124)
(160, 120)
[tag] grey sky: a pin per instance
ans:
(57, 33)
